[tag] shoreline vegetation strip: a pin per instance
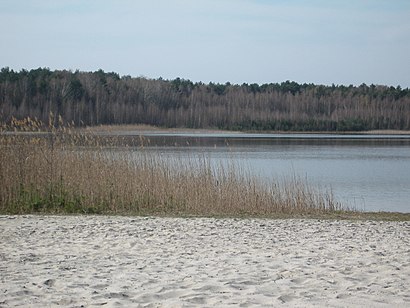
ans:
(94, 98)
(73, 172)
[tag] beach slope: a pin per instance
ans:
(202, 262)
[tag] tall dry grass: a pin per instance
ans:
(63, 171)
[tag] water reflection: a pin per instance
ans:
(369, 172)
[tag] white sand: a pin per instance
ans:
(172, 262)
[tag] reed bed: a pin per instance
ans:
(65, 171)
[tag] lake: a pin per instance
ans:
(369, 172)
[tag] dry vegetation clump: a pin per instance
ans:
(63, 171)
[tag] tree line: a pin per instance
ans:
(94, 98)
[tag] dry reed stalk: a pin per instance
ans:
(69, 172)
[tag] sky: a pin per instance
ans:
(253, 41)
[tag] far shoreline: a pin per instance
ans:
(159, 130)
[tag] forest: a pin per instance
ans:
(94, 98)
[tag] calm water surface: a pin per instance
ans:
(370, 172)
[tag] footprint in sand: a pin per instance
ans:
(286, 298)
(50, 282)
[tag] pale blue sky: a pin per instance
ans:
(262, 41)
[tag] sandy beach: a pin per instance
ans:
(85, 261)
